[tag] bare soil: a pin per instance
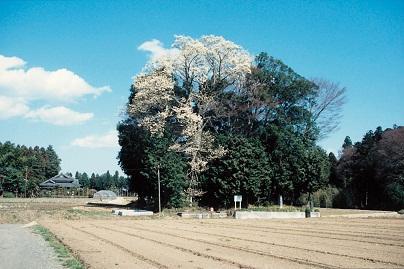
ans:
(102, 240)
(228, 243)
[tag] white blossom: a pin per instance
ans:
(151, 103)
(209, 58)
(195, 65)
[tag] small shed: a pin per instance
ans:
(60, 181)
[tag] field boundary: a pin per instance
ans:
(64, 254)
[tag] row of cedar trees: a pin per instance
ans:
(23, 168)
(270, 150)
(370, 173)
(105, 181)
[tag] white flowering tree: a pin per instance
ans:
(153, 100)
(199, 69)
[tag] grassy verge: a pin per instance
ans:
(63, 253)
(71, 213)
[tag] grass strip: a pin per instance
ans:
(63, 253)
(88, 213)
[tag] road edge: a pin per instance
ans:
(64, 254)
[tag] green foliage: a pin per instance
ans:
(266, 126)
(243, 170)
(372, 171)
(289, 92)
(298, 165)
(23, 168)
(172, 173)
(316, 170)
(333, 178)
(104, 181)
(8, 194)
(141, 155)
(347, 143)
(325, 197)
(133, 141)
(394, 192)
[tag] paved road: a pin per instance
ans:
(21, 249)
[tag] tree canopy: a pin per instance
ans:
(372, 170)
(23, 168)
(230, 124)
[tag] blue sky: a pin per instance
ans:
(93, 46)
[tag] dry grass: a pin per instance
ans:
(23, 210)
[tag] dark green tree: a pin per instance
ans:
(243, 170)
(93, 181)
(23, 168)
(84, 180)
(314, 171)
(334, 179)
(172, 173)
(372, 170)
(389, 168)
(347, 143)
(53, 162)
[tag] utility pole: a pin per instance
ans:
(158, 178)
(1, 185)
(26, 178)
(366, 200)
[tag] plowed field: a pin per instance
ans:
(305, 243)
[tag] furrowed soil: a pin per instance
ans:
(229, 243)
(342, 239)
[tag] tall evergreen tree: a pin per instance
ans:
(243, 170)
(23, 168)
(334, 179)
(347, 143)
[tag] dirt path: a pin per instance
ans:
(323, 243)
(21, 249)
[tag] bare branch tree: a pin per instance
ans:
(327, 106)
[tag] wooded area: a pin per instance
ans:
(370, 173)
(23, 168)
(217, 126)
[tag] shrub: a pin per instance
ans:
(343, 199)
(395, 195)
(8, 194)
(91, 193)
(321, 198)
